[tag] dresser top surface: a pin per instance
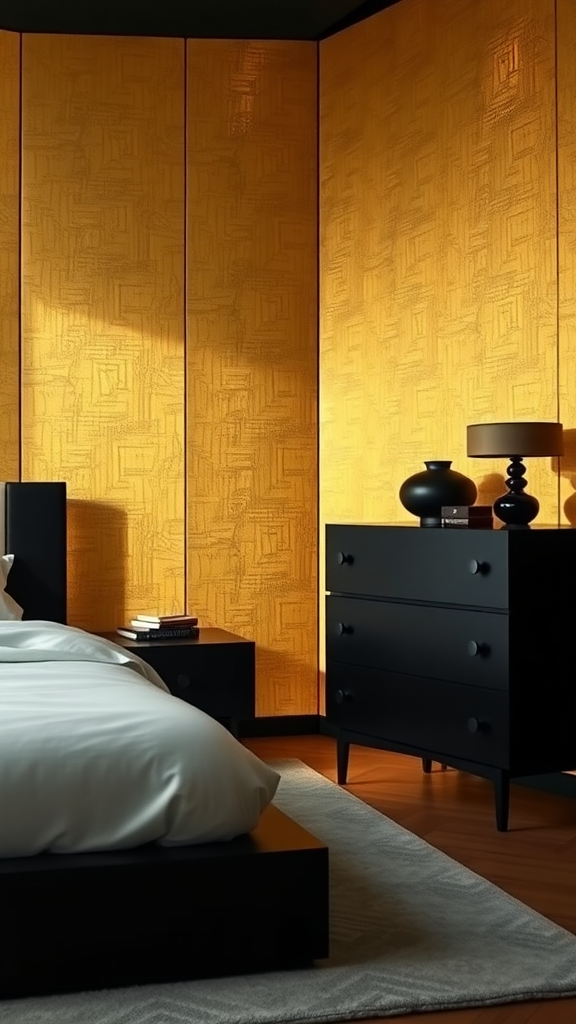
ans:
(498, 527)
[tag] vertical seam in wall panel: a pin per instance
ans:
(20, 267)
(185, 354)
(318, 481)
(557, 230)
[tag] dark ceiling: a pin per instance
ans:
(201, 19)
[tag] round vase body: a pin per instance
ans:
(424, 493)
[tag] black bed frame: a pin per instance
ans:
(35, 533)
(99, 920)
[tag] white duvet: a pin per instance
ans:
(96, 754)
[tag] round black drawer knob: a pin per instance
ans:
(476, 649)
(341, 695)
(182, 682)
(478, 568)
(344, 559)
(476, 725)
(342, 628)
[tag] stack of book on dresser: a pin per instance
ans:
(161, 627)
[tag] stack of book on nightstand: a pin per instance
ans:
(161, 627)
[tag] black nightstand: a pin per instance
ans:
(214, 671)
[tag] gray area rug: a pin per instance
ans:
(411, 931)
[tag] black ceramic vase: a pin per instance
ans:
(425, 493)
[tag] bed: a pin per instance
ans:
(130, 879)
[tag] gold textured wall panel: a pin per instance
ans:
(438, 245)
(9, 255)
(252, 356)
(103, 311)
(566, 63)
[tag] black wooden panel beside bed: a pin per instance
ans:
(96, 920)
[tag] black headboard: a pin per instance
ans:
(35, 533)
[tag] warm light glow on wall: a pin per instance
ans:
(103, 390)
(107, 369)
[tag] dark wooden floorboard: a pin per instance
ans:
(534, 861)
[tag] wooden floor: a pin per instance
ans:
(535, 860)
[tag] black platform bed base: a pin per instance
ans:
(93, 921)
(100, 920)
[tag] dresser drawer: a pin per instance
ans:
(425, 714)
(468, 567)
(459, 645)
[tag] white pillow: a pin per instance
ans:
(9, 609)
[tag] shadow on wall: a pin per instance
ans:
(568, 471)
(96, 564)
(493, 485)
(490, 488)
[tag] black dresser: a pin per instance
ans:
(454, 645)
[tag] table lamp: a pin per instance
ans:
(515, 441)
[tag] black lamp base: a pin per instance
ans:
(516, 508)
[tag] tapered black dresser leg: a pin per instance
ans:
(342, 757)
(502, 800)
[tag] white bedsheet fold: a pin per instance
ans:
(96, 754)
(40, 640)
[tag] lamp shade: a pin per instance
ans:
(503, 440)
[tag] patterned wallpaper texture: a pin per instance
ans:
(9, 255)
(172, 380)
(168, 340)
(566, 36)
(252, 356)
(438, 245)
(103, 359)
